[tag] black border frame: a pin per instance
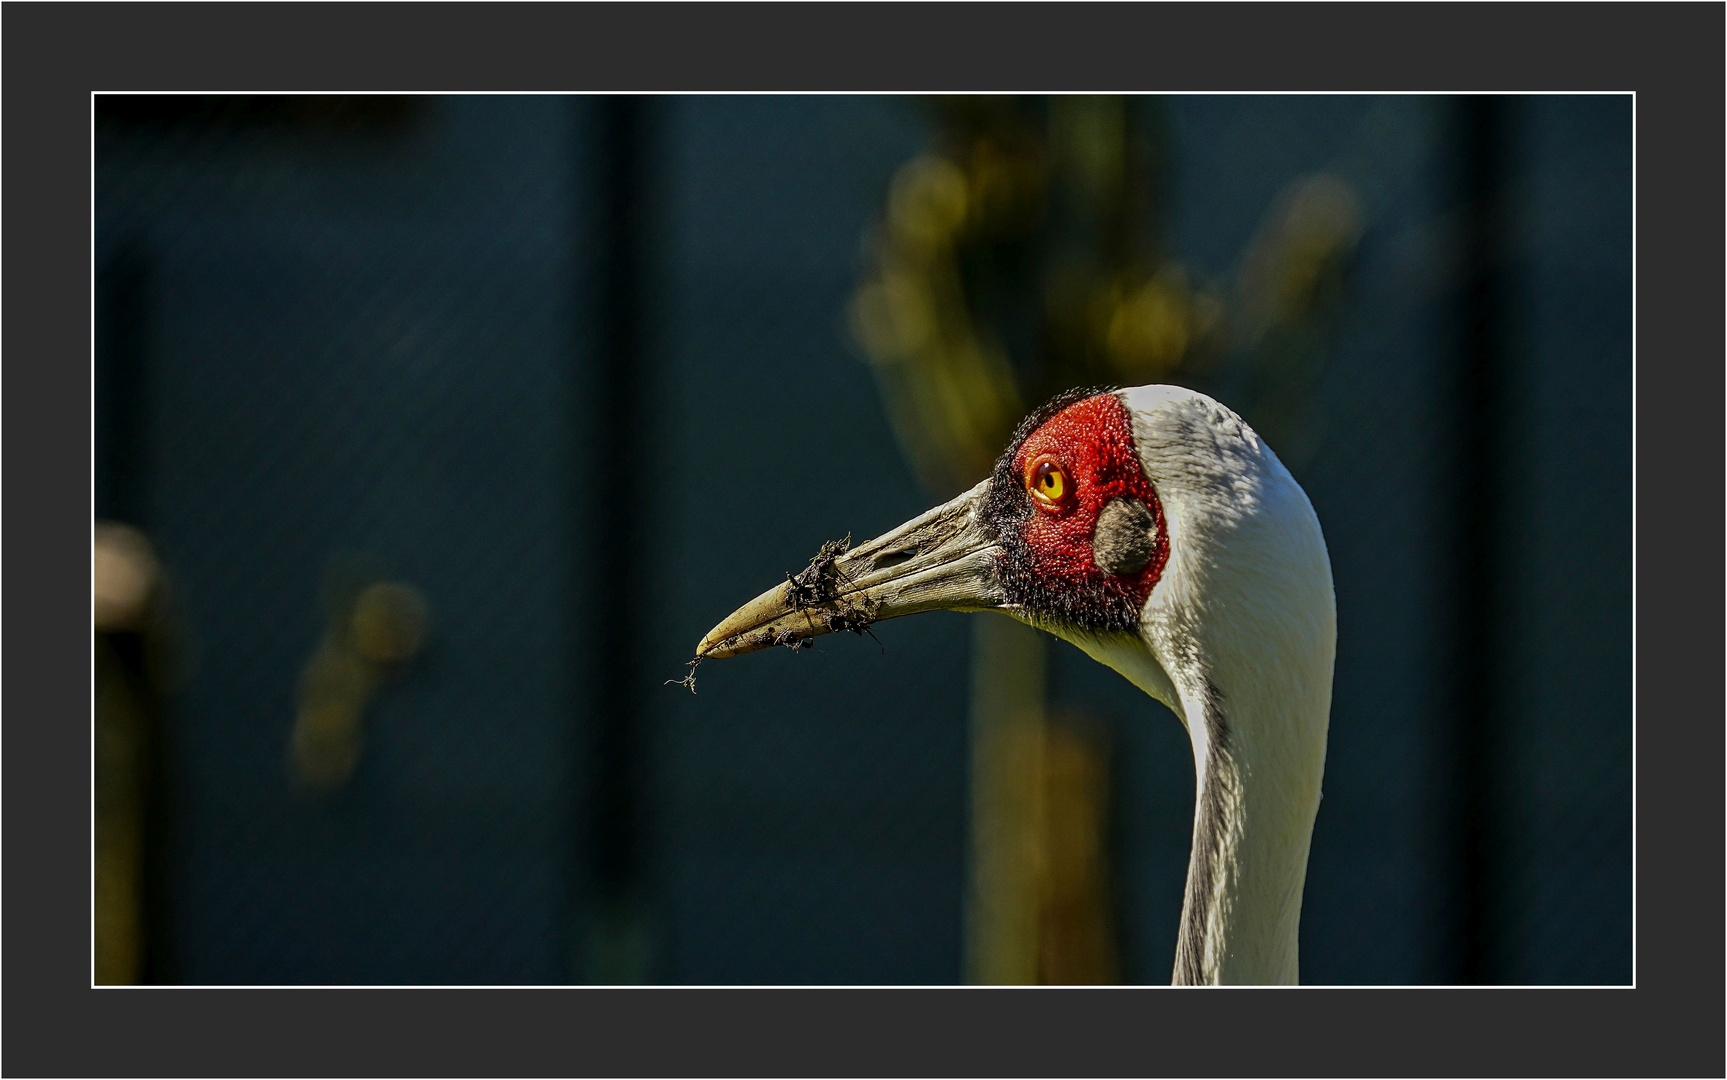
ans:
(1670, 55)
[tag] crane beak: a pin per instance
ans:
(941, 560)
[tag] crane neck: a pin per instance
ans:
(1259, 758)
(1256, 800)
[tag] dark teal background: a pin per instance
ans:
(379, 340)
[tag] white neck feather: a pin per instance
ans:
(1238, 638)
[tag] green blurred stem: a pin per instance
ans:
(1009, 677)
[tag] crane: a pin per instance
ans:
(1152, 528)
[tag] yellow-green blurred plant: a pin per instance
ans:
(1020, 255)
(1015, 260)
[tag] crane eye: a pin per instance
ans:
(1048, 482)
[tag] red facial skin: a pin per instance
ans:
(1093, 442)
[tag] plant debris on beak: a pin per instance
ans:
(943, 559)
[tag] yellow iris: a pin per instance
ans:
(1052, 485)
(1048, 481)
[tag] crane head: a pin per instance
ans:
(1067, 533)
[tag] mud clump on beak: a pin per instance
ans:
(818, 582)
(816, 588)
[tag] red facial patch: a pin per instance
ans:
(1093, 442)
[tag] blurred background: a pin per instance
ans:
(431, 433)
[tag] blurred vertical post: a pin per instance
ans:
(1008, 857)
(618, 946)
(1481, 125)
(128, 594)
(131, 797)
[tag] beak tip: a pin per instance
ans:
(718, 646)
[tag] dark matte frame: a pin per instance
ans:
(1670, 55)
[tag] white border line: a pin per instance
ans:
(862, 93)
(1634, 539)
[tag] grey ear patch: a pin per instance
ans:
(1125, 537)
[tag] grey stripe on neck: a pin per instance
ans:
(1207, 845)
